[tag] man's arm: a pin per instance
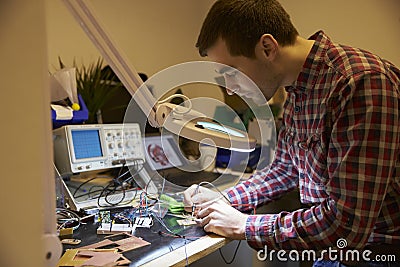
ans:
(362, 157)
(268, 184)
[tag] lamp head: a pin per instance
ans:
(196, 126)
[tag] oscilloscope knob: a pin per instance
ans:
(128, 144)
(111, 145)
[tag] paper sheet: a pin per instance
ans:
(62, 112)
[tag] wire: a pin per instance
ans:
(123, 218)
(165, 226)
(143, 203)
(117, 184)
(186, 255)
(114, 190)
(213, 186)
(162, 187)
(90, 192)
(233, 205)
(108, 194)
(148, 182)
(66, 217)
(82, 184)
(176, 110)
(234, 254)
(137, 169)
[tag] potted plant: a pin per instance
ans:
(96, 85)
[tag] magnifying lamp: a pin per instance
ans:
(177, 119)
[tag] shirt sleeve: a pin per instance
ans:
(268, 184)
(362, 157)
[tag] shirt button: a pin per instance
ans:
(297, 109)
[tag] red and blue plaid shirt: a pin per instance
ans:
(340, 146)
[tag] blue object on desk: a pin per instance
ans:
(234, 160)
(79, 116)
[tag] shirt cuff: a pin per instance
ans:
(260, 230)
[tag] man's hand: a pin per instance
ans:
(198, 195)
(222, 219)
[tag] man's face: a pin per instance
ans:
(257, 69)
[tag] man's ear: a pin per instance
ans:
(267, 47)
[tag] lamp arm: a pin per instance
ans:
(86, 18)
(158, 114)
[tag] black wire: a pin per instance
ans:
(187, 259)
(141, 166)
(234, 254)
(220, 251)
(213, 186)
(147, 184)
(108, 194)
(120, 169)
(116, 182)
(164, 225)
(90, 192)
(119, 175)
(87, 181)
(82, 184)
(137, 170)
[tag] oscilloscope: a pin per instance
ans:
(88, 147)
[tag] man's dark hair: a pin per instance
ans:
(241, 23)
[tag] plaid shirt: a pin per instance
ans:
(340, 146)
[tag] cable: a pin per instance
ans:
(114, 190)
(165, 226)
(66, 217)
(137, 170)
(117, 184)
(213, 186)
(224, 196)
(219, 191)
(143, 202)
(107, 194)
(119, 175)
(176, 110)
(82, 184)
(234, 254)
(90, 192)
(148, 182)
(186, 255)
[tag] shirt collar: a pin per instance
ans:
(313, 63)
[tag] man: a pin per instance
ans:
(339, 143)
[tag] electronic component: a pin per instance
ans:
(110, 228)
(88, 147)
(187, 222)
